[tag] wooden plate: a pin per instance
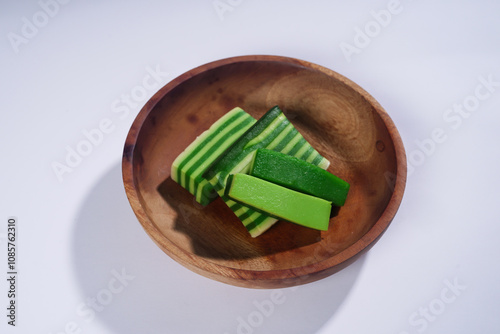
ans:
(342, 121)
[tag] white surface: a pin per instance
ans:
(71, 74)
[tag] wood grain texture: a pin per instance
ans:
(342, 121)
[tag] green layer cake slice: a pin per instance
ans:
(188, 168)
(296, 174)
(272, 131)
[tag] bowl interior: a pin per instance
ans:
(333, 114)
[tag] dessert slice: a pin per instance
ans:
(279, 202)
(188, 168)
(298, 175)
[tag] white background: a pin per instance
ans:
(65, 73)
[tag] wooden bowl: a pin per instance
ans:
(342, 121)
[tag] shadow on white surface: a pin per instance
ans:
(130, 286)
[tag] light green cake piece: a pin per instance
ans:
(279, 202)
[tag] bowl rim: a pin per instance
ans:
(233, 275)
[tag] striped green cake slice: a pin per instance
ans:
(272, 131)
(188, 168)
